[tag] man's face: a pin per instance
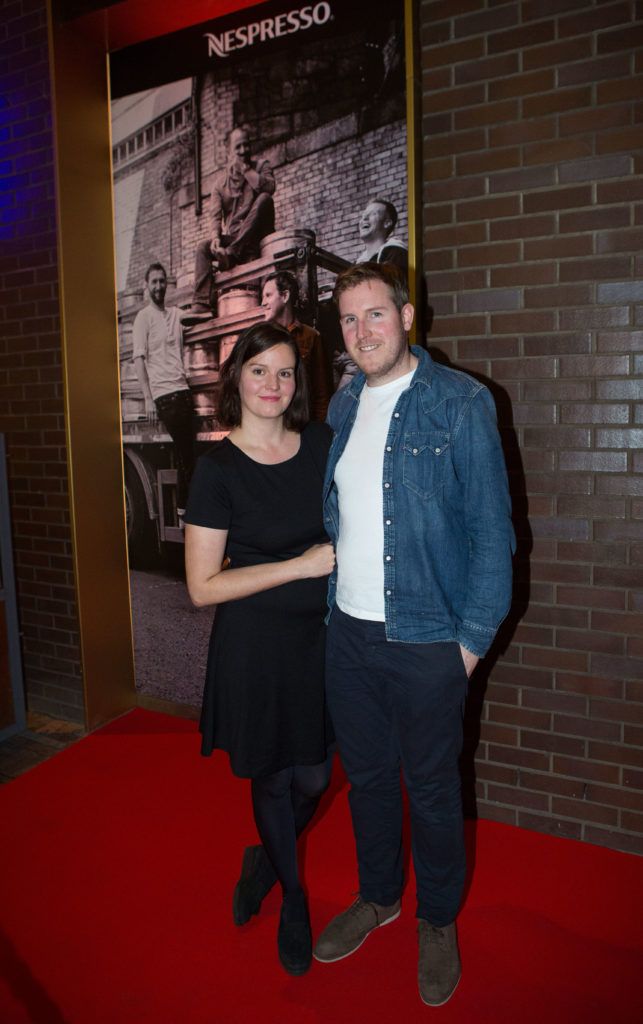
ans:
(373, 222)
(375, 331)
(272, 300)
(157, 287)
(239, 146)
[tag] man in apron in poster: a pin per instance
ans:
(158, 359)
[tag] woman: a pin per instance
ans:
(255, 499)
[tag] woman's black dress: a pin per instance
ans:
(264, 692)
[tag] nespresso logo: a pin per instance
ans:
(225, 43)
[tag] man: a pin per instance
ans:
(279, 298)
(376, 226)
(243, 213)
(417, 504)
(158, 358)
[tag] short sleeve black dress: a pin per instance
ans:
(264, 692)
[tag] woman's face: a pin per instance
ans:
(267, 383)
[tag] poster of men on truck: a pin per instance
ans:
(253, 158)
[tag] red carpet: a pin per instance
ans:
(120, 854)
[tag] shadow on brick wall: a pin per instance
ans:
(474, 709)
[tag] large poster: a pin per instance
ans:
(271, 141)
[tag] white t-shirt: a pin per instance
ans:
(158, 337)
(359, 480)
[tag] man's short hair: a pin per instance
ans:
(285, 282)
(237, 128)
(362, 273)
(391, 212)
(155, 266)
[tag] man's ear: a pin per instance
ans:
(407, 314)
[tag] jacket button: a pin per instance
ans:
(388, 593)
(437, 451)
(387, 485)
(388, 448)
(388, 522)
(388, 558)
(415, 451)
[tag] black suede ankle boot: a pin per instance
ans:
(256, 880)
(294, 940)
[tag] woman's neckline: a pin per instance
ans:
(257, 462)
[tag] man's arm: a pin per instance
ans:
(143, 379)
(261, 177)
(216, 218)
(480, 467)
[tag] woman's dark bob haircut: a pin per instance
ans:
(252, 342)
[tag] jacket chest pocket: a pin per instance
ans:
(425, 461)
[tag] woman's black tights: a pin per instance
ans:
(283, 804)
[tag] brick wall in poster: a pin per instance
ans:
(329, 157)
(533, 233)
(31, 397)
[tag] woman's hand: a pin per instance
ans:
(317, 561)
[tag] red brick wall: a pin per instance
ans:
(533, 233)
(31, 396)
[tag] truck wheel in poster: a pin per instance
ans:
(142, 538)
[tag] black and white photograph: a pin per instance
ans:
(242, 186)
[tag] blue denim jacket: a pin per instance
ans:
(448, 537)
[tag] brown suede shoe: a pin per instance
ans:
(439, 968)
(347, 931)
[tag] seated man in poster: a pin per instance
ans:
(376, 226)
(279, 298)
(243, 213)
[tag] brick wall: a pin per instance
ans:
(31, 398)
(533, 233)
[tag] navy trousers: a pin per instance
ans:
(397, 709)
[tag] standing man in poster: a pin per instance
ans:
(376, 226)
(279, 298)
(158, 358)
(417, 506)
(243, 213)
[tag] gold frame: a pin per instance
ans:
(82, 141)
(90, 368)
(413, 155)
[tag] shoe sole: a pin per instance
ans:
(443, 1001)
(334, 959)
(295, 973)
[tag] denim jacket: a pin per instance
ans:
(448, 537)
